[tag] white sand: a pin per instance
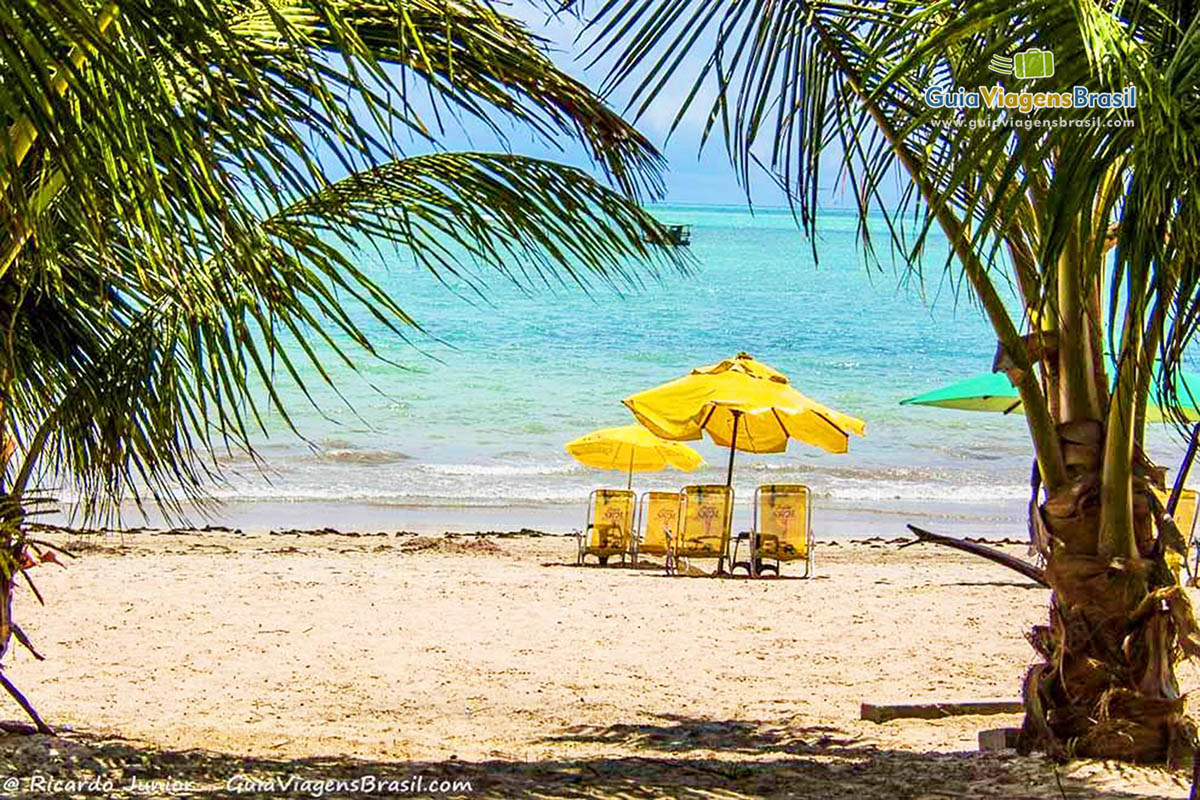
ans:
(539, 675)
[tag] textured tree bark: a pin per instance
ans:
(1106, 687)
(6, 593)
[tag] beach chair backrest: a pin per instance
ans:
(1185, 513)
(611, 519)
(1185, 510)
(660, 516)
(705, 516)
(783, 519)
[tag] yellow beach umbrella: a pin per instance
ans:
(742, 404)
(632, 448)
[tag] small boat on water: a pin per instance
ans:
(679, 235)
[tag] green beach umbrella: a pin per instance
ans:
(992, 391)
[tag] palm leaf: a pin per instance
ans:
(135, 398)
(176, 242)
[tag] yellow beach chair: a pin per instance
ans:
(782, 527)
(659, 512)
(1185, 520)
(1185, 514)
(705, 517)
(609, 530)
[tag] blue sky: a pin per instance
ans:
(693, 177)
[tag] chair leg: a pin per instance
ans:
(733, 561)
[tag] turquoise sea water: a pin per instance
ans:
(477, 422)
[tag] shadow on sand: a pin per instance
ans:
(681, 757)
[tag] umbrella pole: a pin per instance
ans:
(732, 448)
(729, 482)
(1184, 469)
(629, 486)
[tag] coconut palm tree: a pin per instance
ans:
(186, 189)
(1092, 223)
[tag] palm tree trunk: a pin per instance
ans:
(1119, 619)
(1107, 686)
(12, 562)
(7, 583)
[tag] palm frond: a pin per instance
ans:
(795, 85)
(133, 393)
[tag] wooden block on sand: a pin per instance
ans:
(998, 739)
(885, 713)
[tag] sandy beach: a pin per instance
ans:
(392, 297)
(206, 657)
